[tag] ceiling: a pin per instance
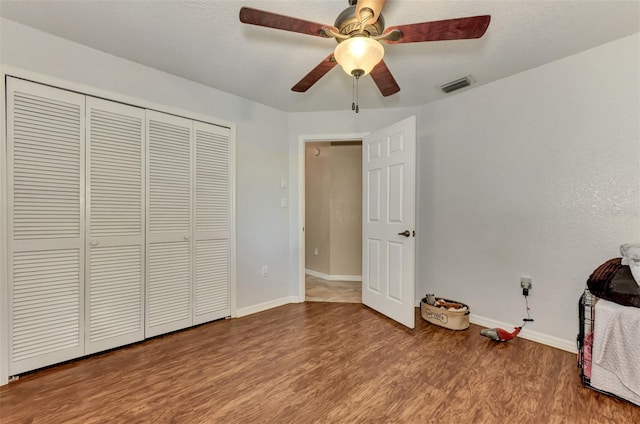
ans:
(204, 41)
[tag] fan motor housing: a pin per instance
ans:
(347, 23)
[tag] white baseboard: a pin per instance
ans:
(528, 334)
(536, 336)
(248, 310)
(333, 277)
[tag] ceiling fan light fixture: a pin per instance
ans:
(358, 55)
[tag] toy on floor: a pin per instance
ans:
(500, 335)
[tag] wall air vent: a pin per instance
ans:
(457, 84)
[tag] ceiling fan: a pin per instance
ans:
(359, 29)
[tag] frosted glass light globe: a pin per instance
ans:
(358, 55)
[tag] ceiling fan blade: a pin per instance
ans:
(384, 80)
(374, 5)
(287, 23)
(316, 73)
(449, 29)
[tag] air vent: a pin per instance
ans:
(457, 84)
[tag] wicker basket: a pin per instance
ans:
(453, 320)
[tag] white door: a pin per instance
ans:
(212, 223)
(115, 225)
(388, 222)
(169, 222)
(45, 157)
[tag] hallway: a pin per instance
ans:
(319, 290)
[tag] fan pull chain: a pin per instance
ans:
(354, 96)
(357, 106)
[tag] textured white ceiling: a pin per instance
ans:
(205, 42)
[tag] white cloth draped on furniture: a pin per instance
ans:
(616, 350)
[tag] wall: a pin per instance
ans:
(346, 209)
(537, 174)
(334, 126)
(333, 212)
(261, 144)
(317, 210)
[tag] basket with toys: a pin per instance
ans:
(444, 312)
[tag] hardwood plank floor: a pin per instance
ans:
(315, 363)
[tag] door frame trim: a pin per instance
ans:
(302, 139)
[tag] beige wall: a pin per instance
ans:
(346, 209)
(333, 187)
(317, 189)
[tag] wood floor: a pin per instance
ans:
(315, 363)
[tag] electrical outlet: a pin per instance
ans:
(315, 251)
(265, 271)
(525, 283)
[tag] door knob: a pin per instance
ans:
(405, 233)
(94, 242)
(187, 237)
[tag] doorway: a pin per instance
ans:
(333, 217)
(343, 281)
(388, 192)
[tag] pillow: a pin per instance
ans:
(613, 281)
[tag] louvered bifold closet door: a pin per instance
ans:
(169, 223)
(45, 151)
(212, 223)
(115, 225)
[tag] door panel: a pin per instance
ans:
(169, 291)
(115, 224)
(396, 188)
(389, 199)
(395, 266)
(212, 223)
(45, 146)
(212, 280)
(169, 223)
(374, 194)
(115, 296)
(374, 263)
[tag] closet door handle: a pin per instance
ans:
(94, 242)
(187, 237)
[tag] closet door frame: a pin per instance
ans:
(7, 70)
(4, 271)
